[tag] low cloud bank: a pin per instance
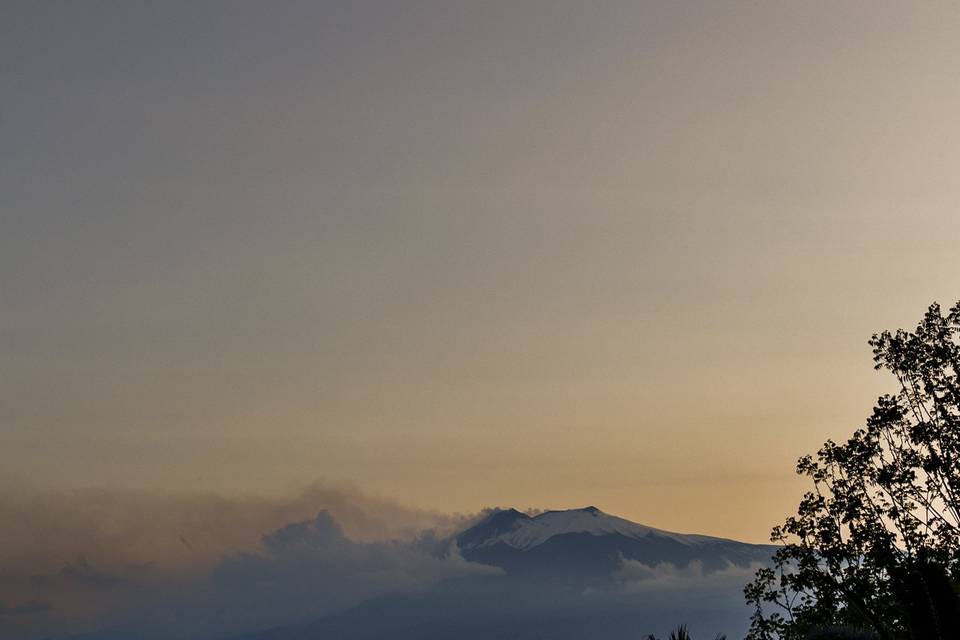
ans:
(82, 559)
(636, 575)
(310, 568)
(114, 529)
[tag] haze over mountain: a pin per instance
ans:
(564, 574)
(568, 574)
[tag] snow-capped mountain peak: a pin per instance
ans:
(520, 531)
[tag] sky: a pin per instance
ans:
(459, 255)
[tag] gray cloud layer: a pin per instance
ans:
(72, 560)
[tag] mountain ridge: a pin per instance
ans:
(524, 531)
(590, 542)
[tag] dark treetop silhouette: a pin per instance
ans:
(875, 546)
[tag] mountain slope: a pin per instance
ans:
(515, 608)
(589, 542)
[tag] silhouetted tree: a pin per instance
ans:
(875, 544)
(681, 633)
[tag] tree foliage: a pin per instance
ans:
(875, 544)
(681, 633)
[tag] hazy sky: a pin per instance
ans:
(465, 254)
